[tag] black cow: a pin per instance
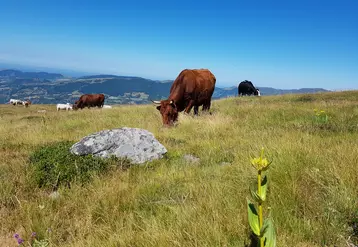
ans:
(247, 88)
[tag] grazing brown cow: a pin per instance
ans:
(26, 103)
(192, 88)
(89, 100)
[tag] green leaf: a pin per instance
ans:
(254, 195)
(259, 198)
(269, 233)
(264, 228)
(253, 218)
(263, 188)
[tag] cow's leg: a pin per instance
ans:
(196, 109)
(190, 105)
(206, 106)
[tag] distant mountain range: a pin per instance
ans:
(11, 73)
(52, 88)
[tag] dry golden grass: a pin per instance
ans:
(313, 179)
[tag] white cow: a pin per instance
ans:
(15, 102)
(107, 106)
(66, 107)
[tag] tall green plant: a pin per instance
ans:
(263, 229)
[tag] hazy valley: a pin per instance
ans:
(52, 88)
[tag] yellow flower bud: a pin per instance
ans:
(260, 163)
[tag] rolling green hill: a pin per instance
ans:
(313, 182)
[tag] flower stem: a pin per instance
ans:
(260, 205)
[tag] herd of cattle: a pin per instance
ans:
(25, 103)
(192, 88)
(69, 106)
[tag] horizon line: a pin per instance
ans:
(85, 73)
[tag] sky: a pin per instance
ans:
(281, 44)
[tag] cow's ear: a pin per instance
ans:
(158, 107)
(173, 104)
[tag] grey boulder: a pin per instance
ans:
(137, 145)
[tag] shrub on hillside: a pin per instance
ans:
(304, 98)
(53, 165)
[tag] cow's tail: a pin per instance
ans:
(105, 97)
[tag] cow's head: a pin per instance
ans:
(75, 105)
(27, 103)
(257, 92)
(168, 110)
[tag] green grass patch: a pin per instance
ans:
(53, 165)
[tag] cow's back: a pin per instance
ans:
(194, 81)
(205, 80)
(203, 85)
(92, 98)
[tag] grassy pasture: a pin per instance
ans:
(313, 190)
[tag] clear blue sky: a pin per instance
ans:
(283, 44)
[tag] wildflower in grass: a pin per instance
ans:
(321, 116)
(33, 235)
(260, 163)
(263, 229)
(19, 240)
